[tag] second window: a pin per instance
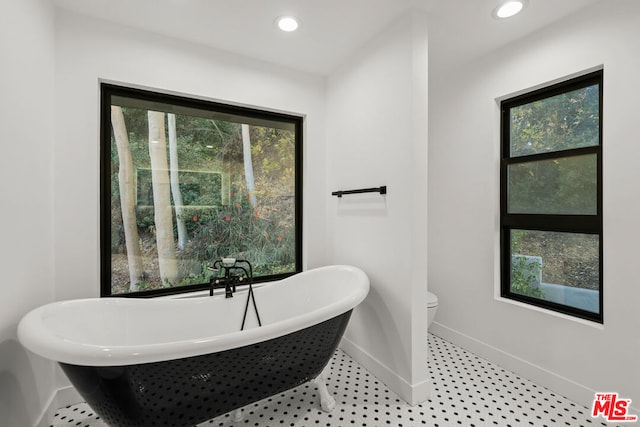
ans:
(551, 197)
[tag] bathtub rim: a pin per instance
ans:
(36, 337)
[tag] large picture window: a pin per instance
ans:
(185, 182)
(551, 197)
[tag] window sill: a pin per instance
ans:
(205, 293)
(585, 322)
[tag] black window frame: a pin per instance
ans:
(584, 224)
(109, 90)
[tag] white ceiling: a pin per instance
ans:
(330, 30)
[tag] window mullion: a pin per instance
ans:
(567, 223)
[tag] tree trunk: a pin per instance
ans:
(248, 165)
(127, 186)
(163, 212)
(175, 181)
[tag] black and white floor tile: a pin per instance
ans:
(467, 391)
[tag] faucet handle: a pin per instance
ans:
(228, 262)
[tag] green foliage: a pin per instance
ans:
(555, 186)
(559, 186)
(218, 215)
(524, 274)
(570, 259)
(240, 231)
(200, 276)
(516, 238)
(275, 151)
(568, 120)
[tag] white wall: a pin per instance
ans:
(377, 135)
(89, 50)
(571, 357)
(26, 253)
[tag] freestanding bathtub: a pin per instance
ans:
(182, 361)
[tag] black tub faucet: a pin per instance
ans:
(229, 280)
(229, 284)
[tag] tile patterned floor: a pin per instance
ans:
(467, 391)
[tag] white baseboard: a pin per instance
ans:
(48, 411)
(570, 389)
(68, 396)
(59, 399)
(410, 393)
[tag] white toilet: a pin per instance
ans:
(432, 307)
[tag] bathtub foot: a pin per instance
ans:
(238, 415)
(327, 402)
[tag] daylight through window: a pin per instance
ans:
(551, 197)
(185, 182)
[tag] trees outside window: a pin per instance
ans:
(551, 197)
(185, 182)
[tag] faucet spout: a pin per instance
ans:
(228, 292)
(230, 278)
(228, 283)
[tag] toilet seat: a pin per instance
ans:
(432, 300)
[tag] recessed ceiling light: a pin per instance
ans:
(287, 23)
(509, 8)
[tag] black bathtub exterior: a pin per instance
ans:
(188, 391)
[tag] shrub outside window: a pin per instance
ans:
(185, 182)
(551, 197)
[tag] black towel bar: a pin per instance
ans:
(381, 190)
